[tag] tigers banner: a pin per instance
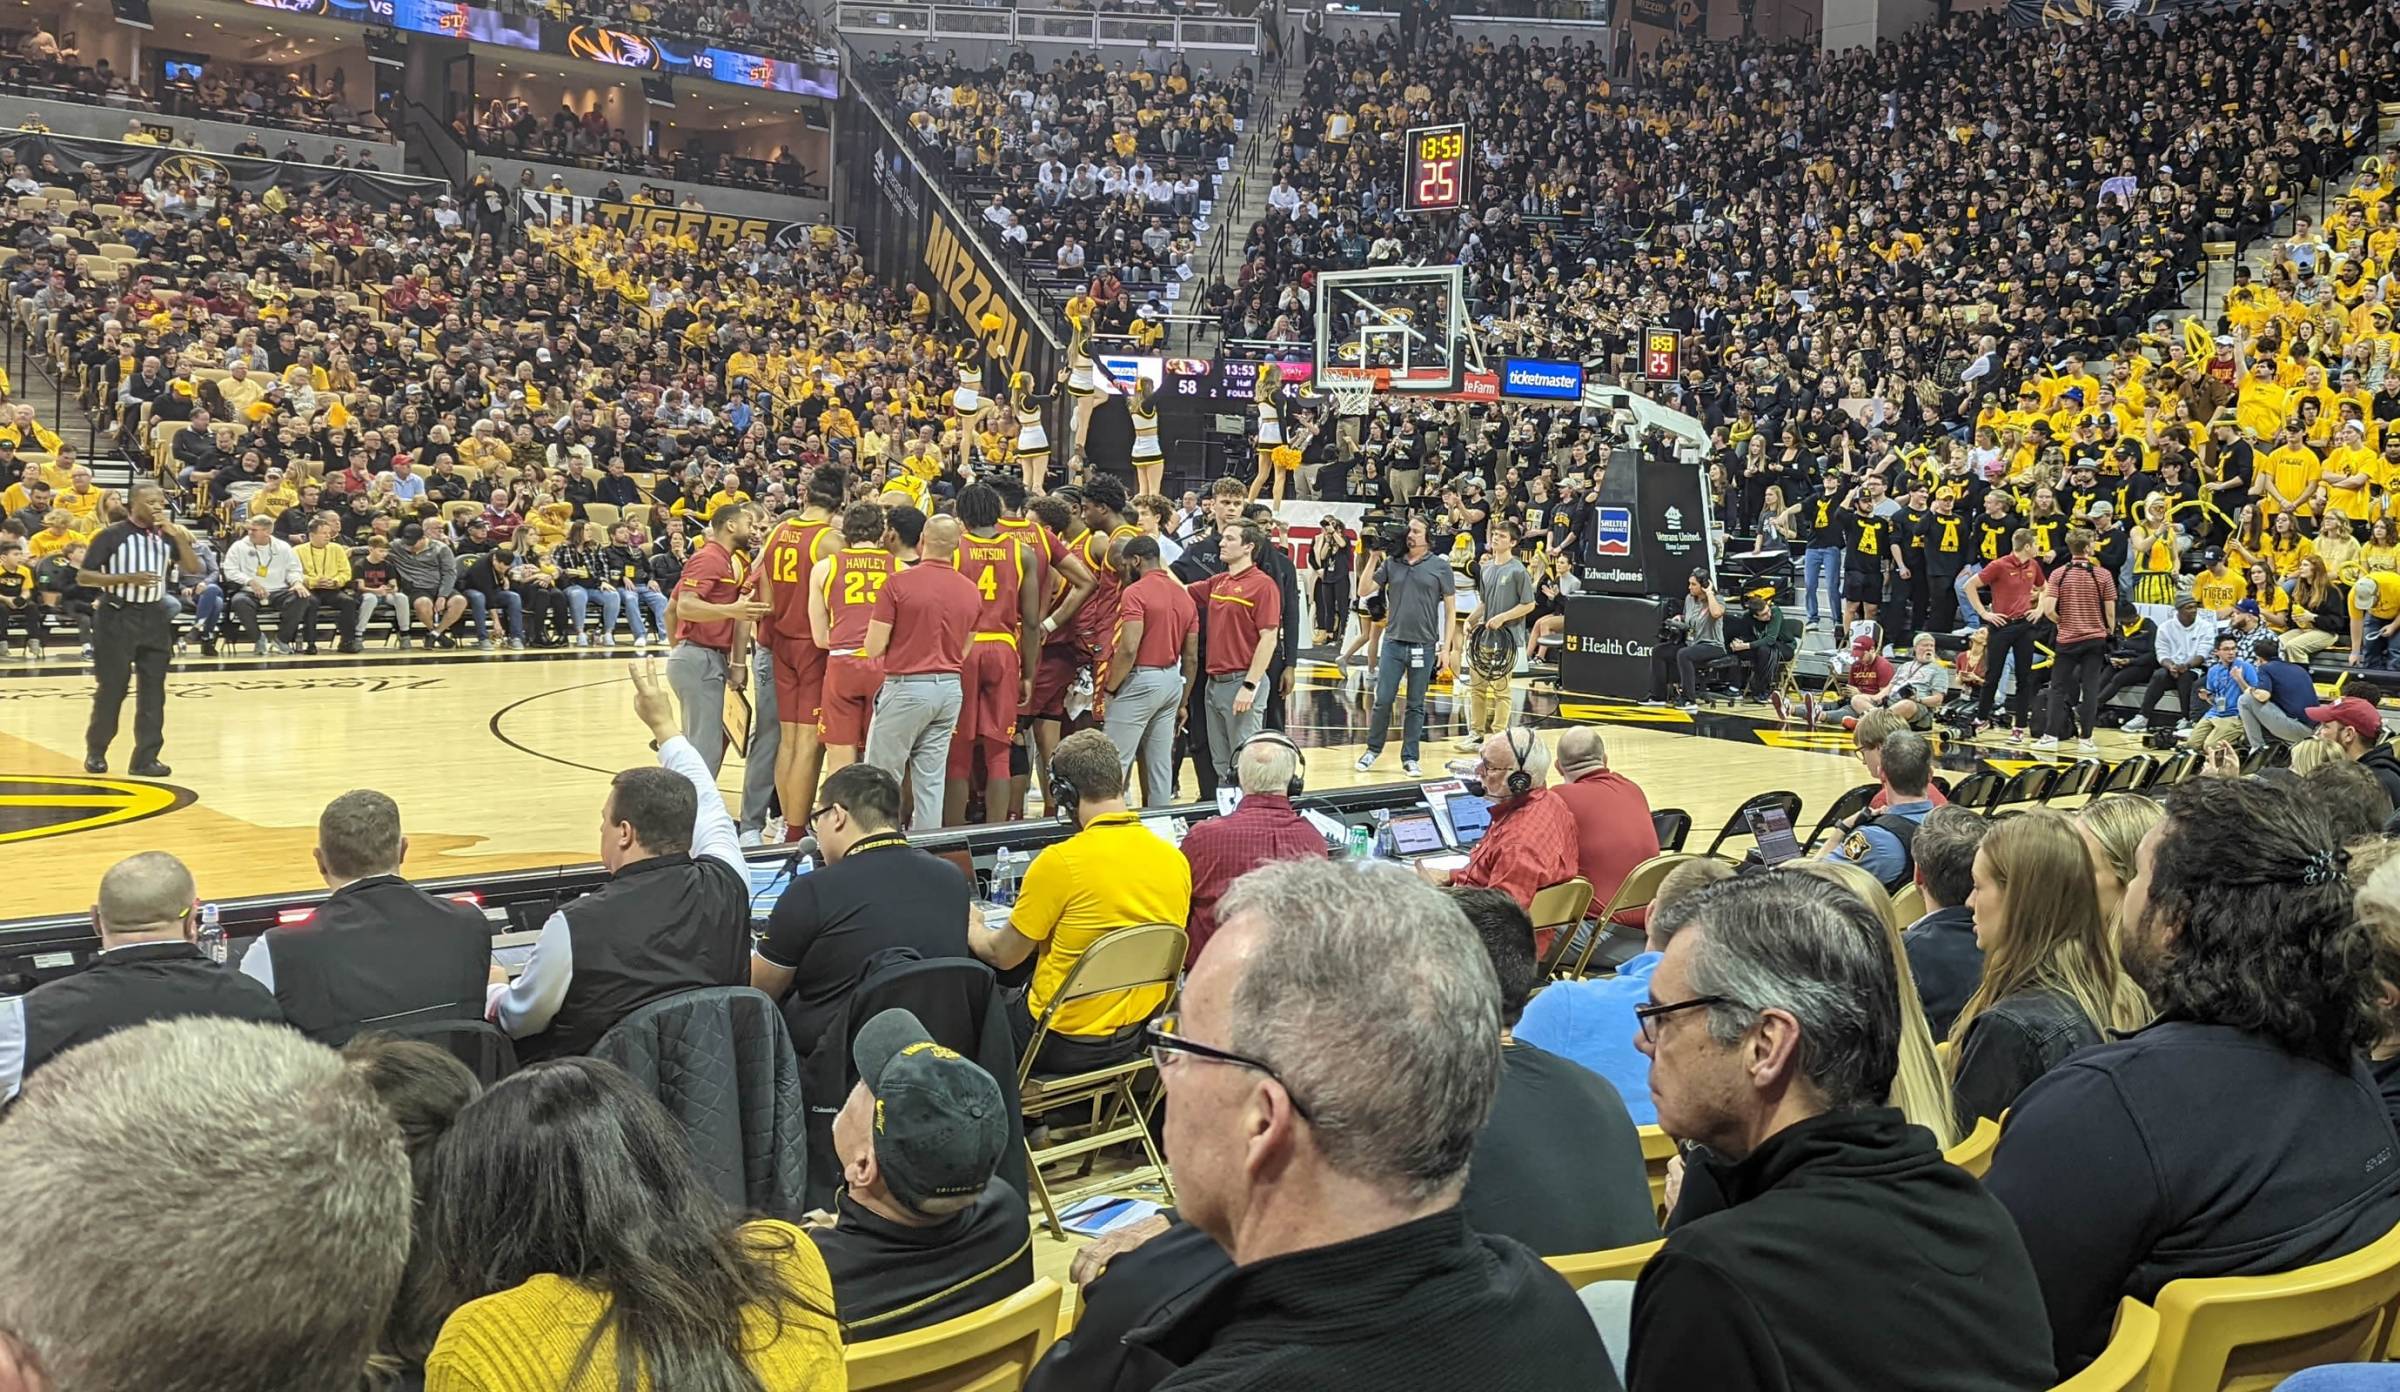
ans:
(201, 168)
(2036, 14)
(664, 219)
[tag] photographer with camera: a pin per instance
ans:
(1764, 638)
(1687, 645)
(1419, 591)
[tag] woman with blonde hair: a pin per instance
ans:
(2112, 828)
(1919, 1090)
(2052, 983)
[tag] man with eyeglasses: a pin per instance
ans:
(1332, 1178)
(1773, 1030)
(875, 891)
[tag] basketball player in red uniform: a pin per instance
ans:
(1101, 547)
(998, 678)
(791, 552)
(1070, 581)
(841, 601)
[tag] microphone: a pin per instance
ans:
(805, 846)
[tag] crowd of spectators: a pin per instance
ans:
(777, 28)
(1090, 175)
(40, 63)
(510, 127)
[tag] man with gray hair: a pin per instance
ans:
(243, 1177)
(379, 951)
(1773, 1030)
(1531, 842)
(1265, 826)
(149, 968)
(1332, 1177)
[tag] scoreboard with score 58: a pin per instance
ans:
(1437, 170)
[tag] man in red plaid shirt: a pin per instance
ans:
(1264, 827)
(1532, 841)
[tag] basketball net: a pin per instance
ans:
(1351, 396)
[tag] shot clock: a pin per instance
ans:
(1437, 170)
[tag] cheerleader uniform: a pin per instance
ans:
(1270, 430)
(1145, 433)
(1033, 442)
(1081, 380)
(2154, 578)
(968, 398)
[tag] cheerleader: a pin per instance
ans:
(1033, 440)
(1270, 432)
(1149, 463)
(1083, 380)
(986, 390)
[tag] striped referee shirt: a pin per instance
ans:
(121, 548)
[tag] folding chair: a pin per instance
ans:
(1673, 825)
(1848, 805)
(1557, 910)
(1616, 1264)
(990, 1350)
(2124, 1366)
(1976, 791)
(1738, 825)
(1639, 887)
(1973, 1153)
(1128, 959)
(2077, 782)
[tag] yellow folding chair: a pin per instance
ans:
(1128, 959)
(1615, 1264)
(1558, 910)
(2248, 1333)
(992, 1350)
(1657, 1149)
(1973, 1153)
(2124, 1366)
(1638, 888)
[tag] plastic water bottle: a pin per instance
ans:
(1004, 878)
(212, 934)
(1360, 841)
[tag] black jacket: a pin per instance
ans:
(2188, 1149)
(2017, 1040)
(378, 951)
(1843, 1253)
(1947, 963)
(1425, 1304)
(2380, 761)
(134, 985)
(1149, 1285)
(889, 1279)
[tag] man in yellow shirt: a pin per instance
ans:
(2219, 588)
(325, 575)
(2287, 476)
(1112, 873)
(82, 499)
(2353, 474)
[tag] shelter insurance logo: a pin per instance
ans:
(1615, 532)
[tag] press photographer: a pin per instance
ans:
(1688, 644)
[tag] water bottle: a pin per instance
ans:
(1359, 842)
(1004, 878)
(212, 934)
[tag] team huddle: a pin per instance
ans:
(955, 650)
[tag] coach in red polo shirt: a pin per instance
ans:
(1245, 613)
(1156, 655)
(712, 641)
(2003, 596)
(1531, 843)
(1613, 830)
(919, 632)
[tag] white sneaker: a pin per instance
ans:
(583, 640)
(753, 838)
(2085, 746)
(1467, 742)
(517, 643)
(484, 643)
(1409, 768)
(1690, 708)
(2135, 726)
(2182, 728)
(608, 640)
(776, 828)
(2046, 742)
(1365, 761)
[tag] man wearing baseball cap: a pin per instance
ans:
(925, 1230)
(2354, 726)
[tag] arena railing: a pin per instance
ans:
(1110, 29)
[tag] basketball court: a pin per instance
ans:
(500, 762)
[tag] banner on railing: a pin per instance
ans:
(2035, 14)
(1687, 17)
(663, 219)
(198, 167)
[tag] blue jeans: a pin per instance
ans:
(1415, 661)
(1966, 609)
(637, 600)
(580, 599)
(512, 613)
(1822, 563)
(208, 606)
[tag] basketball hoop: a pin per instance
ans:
(1351, 395)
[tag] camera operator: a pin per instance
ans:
(1419, 592)
(1688, 644)
(1764, 638)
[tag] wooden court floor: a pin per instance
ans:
(501, 761)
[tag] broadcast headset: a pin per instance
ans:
(1065, 797)
(1299, 779)
(1520, 782)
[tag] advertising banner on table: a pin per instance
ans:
(659, 218)
(224, 171)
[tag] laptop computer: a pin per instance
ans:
(1772, 827)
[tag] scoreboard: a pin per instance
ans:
(1436, 170)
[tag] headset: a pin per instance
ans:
(1299, 779)
(1065, 797)
(1520, 782)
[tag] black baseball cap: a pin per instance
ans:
(940, 1124)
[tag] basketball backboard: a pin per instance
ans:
(1395, 328)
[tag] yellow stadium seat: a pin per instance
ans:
(2124, 1366)
(1615, 1264)
(601, 515)
(1657, 1149)
(1973, 1153)
(1638, 888)
(1909, 903)
(2248, 1333)
(1558, 910)
(992, 1350)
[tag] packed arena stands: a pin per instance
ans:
(2079, 340)
(510, 127)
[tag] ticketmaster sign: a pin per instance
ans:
(1541, 381)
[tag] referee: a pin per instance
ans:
(132, 563)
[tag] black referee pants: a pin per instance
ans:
(131, 645)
